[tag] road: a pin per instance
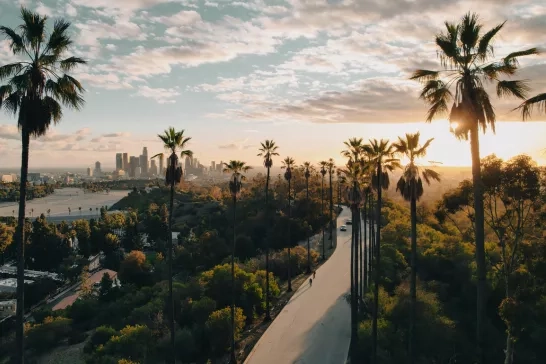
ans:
(314, 327)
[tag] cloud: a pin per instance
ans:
(237, 145)
(71, 10)
(160, 95)
(116, 135)
(9, 132)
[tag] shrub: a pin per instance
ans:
(219, 328)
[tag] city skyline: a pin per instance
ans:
(316, 80)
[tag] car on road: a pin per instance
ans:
(343, 228)
(348, 222)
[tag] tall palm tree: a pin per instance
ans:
(381, 154)
(174, 142)
(352, 172)
(307, 173)
(331, 169)
(236, 168)
(410, 186)
(69, 211)
(268, 150)
(467, 66)
(528, 105)
(354, 149)
(288, 164)
(80, 208)
(37, 87)
(323, 165)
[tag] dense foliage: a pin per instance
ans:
(446, 271)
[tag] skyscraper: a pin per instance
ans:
(126, 162)
(89, 172)
(97, 172)
(119, 161)
(144, 162)
(153, 168)
(212, 166)
(161, 164)
(134, 162)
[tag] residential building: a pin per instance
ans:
(7, 308)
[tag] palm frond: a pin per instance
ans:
(493, 70)
(9, 70)
(424, 75)
(59, 41)
(16, 43)
(528, 105)
(470, 30)
(70, 63)
(512, 58)
(485, 49)
(430, 175)
(33, 28)
(517, 88)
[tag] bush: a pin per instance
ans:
(44, 337)
(100, 337)
(219, 329)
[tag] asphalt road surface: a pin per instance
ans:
(314, 327)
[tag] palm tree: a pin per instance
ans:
(268, 150)
(31, 212)
(69, 211)
(323, 165)
(36, 88)
(410, 186)
(307, 173)
(381, 154)
(331, 166)
(79, 208)
(354, 197)
(90, 211)
(528, 105)
(466, 54)
(236, 168)
(174, 142)
(353, 151)
(288, 164)
(48, 212)
(97, 210)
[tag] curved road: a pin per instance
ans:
(314, 327)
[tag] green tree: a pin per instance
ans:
(381, 154)
(135, 269)
(410, 186)
(268, 150)
(35, 91)
(83, 234)
(219, 328)
(6, 235)
(174, 142)
(467, 59)
(106, 286)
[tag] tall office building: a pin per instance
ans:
(97, 172)
(161, 164)
(126, 162)
(89, 172)
(212, 166)
(134, 162)
(119, 161)
(137, 172)
(153, 168)
(144, 162)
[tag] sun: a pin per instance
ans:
(454, 125)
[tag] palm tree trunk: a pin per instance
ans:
(331, 214)
(308, 233)
(360, 256)
(480, 241)
(354, 287)
(289, 240)
(377, 265)
(170, 269)
(371, 237)
(413, 279)
(322, 214)
(20, 310)
(366, 268)
(233, 359)
(267, 212)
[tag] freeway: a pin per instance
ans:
(314, 327)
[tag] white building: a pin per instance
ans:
(7, 308)
(10, 284)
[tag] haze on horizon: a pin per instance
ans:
(233, 74)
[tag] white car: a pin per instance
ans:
(343, 228)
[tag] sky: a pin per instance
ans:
(308, 74)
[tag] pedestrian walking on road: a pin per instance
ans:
(314, 274)
(310, 281)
